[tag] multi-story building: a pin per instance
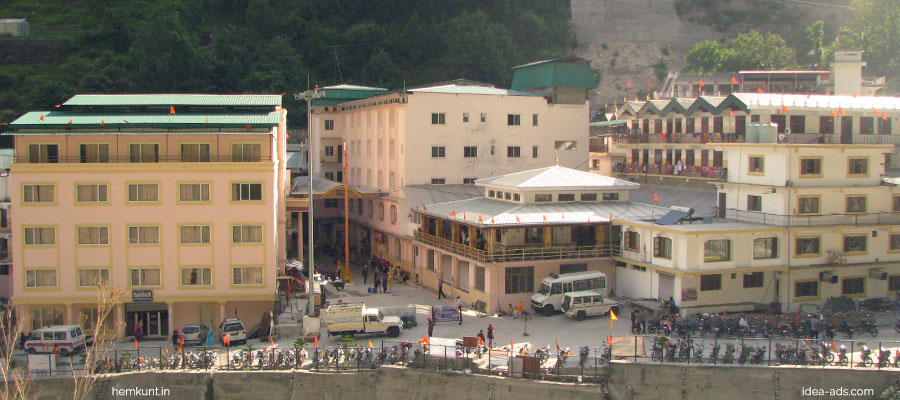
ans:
(178, 199)
(6, 157)
(795, 224)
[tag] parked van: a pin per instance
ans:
(234, 329)
(66, 339)
(580, 305)
(549, 297)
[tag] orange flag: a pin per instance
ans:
(701, 83)
(612, 316)
(854, 95)
(480, 342)
(833, 114)
(271, 342)
(171, 110)
(649, 85)
(425, 207)
(480, 220)
(316, 341)
(545, 217)
(492, 220)
(876, 111)
(517, 219)
(784, 109)
(42, 117)
(464, 215)
(759, 90)
(734, 80)
(225, 340)
(730, 112)
(453, 213)
(102, 124)
(841, 111)
(135, 344)
(126, 121)
(69, 123)
(609, 340)
(655, 198)
(558, 350)
(628, 84)
(884, 116)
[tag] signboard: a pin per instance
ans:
(445, 314)
(379, 237)
(689, 294)
(142, 295)
(443, 347)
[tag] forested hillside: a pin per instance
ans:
(266, 46)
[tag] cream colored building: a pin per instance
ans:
(176, 199)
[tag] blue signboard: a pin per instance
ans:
(446, 314)
(139, 296)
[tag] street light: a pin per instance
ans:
(310, 267)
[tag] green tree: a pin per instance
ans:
(704, 57)
(169, 60)
(753, 50)
(876, 31)
(815, 42)
(478, 48)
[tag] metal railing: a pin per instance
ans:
(689, 171)
(130, 160)
(508, 254)
(862, 219)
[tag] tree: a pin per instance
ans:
(704, 57)
(753, 50)
(876, 31)
(478, 48)
(815, 39)
(169, 60)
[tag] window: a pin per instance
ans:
(246, 234)
(853, 286)
(465, 117)
(884, 125)
(193, 192)
(854, 243)
(143, 234)
(38, 193)
(689, 125)
(807, 246)
(38, 278)
(519, 280)
(711, 282)
(41, 317)
(381, 211)
(247, 275)
(438, 152)
(370, 206)
(588, 197)
(754, 203)
(393, 214)
(534, 235)
(93, 235)
(858, 166)
(513, 119)
(543, 198)
(469, 180)
(765, 248)
(566, 197)
(499, 194)
(895, 241)
(534, 119)
(856, 204)
(329, 176)
(89, 318)
(470, 151)
(662, 247)
(492, 149)
(507, 196)
(246, 191)
(196, 276)
(479, 278)
(40, 236)
(534, 151)
(329, 124)
(893, 283)
(631, 240)
(810, 166)
(245, 152)
(329, 151)
(145, 277)
(483, 117)
(610, 196)
(94, 152)
(516, 197)
(91, 193)
(437, 181)
(438, 118)
(490, 193)
(808, 205)
(429, 259)
(143, 152)
(756, 165)
(331, 203)
(195, 234)
(717, 250)
(566, 145)
(753, 280)
(195, 152)
(866, 125)
(43, 153)
(93, 277)
(779, 120)
(895, 207)
(143, 192)
(826, 125)
(798, 124)
(513, 151)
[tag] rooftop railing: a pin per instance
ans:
(519, 253)
(131, 160)
(685, 171)
(860, 219)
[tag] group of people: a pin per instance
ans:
(383, 274)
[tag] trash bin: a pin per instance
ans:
(407, 324)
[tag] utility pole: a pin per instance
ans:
(310, 267)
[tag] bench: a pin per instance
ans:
(479, 306)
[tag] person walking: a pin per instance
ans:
(138, 331)
(365, 274)
(175, 334)
(481, 336)
(441, 288)
(633, 319)
(490, 335)
(384, 283)
(430, 327)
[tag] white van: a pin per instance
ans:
(549, 297)
(66, 339)
(580, 305)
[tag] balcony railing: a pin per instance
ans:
(126, 159)
(523, 253)
(862, 219)
(689, 171)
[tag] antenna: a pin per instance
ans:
(556, 155)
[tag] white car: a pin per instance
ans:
(66, 339)
(234, 329)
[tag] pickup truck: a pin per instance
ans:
(355, 318)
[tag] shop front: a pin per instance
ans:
(152, 316)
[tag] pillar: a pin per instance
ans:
(300, 236)
(69, 319)
(548, 236)
(171, 316)
(454, 232)
(221, 310)
(490, 239)
(438, 227)
(473, 236)
(120, 319)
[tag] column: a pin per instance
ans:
(473, 236)
(120, 319)
(171, 315)
(548, 236)
(454, 272)
(69, 318)
(300, 236)
(454, 232)
(221, 310)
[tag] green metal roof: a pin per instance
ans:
(63, 119)
(174, 100)
(569, 72)
(609, 123)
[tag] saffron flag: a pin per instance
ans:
(759, 90)
(69, 123)
(370, 345)
(612, 315)
(545, 217)
(453, 213)
(42, 117)
(171, 110)
(135, 344)
(492, 220)
(271, 342)
(734, 80)
(628, 84)
(558, 350)
(517, 219)
(841, 111)
(225, 340)
(57, 106)
(833, 114)
(655, 198)
(701, 83)
(480, 220)
(649, 85)
(102, 124)
(784, 109)
(730, 112)
(464, 215)
(609, 340)
(316, 341)
(480, 342)
(166, 350)
(425, 206)
(884, 116)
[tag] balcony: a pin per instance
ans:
(517, 253)
(863, 219)
(128, 160)
(718, 174)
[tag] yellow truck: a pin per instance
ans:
(356, 318)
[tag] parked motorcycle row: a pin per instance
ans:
(123, 362)
(788, 325)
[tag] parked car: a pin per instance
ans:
(66, 339)
(193, 335)
(234, 329)
(579, 305)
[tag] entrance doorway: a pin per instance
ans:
(154, 318)
(666, 287)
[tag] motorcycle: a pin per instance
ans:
(728, 357)
(583, 354)
(758, 355)
(868, 327)
(846, 328)
(562, 357)
(843, 359)
(866, 357)
(884, 358)
(714, 354)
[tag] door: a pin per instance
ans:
(207, 315)
(666, 287)
(720, 210)
(846, 130)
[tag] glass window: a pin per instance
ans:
(145, 277)
(193, 192)
(588, 197)
(610, 196)
(393, 214)
(247, 275)
(806, 289)
(37, 236)
(858, 166)
(438, 118)
(631, 240)
(895, 204)
(143, 234)
(91, 193)
(94, 152)
(893, 283)
(93, 277)
(436, 181)
(513, 151)
(195, 152)
(38, 193)
(534, 151)
(808, 205)
(513, 119)
(756, 165)
(810, 166)
(807, 246)
(566, 197)
(329, 124)
(43, 153)
(662, 247)
(41, 317)
(438, 152)
(534, 235)
(143, 152)
(246, 191)
(711, 282)
(854, 243)
(856, 204)
(543, 197)
(753, 280)
(38, 278)
(717, 250)
(519, 280)
(534, 119)
(866, 125)
(853, 286)
(143, 192)
(754, 203)
(93, 235)
(246, 152)
(246, 234)
(195, 234)
(196, 276)
(765, 248)
(483, 117)
(465, 117)
(470, 151)
(895, 241)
